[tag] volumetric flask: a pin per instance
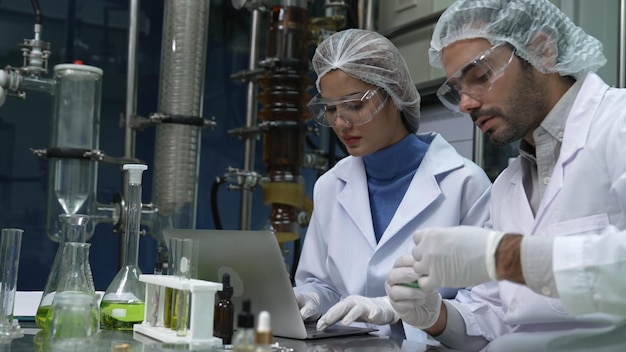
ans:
(73, 229)
(123, 303)
(10, 245)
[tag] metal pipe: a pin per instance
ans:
(131, 104)
(251, 113)
(621, 60)
(366, 10)
(131, 79)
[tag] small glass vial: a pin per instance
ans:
(72, 323)
(243, 340)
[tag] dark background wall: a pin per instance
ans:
(95, 31)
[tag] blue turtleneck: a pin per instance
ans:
(389, 173)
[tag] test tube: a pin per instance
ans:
(169, 311)
(9, 262)
(186, 264)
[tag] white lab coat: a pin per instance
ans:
(340, 256)
(585, 194)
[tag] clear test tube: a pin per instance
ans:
(10, 246)
(75, 131)
(169, 307)
(186, 269)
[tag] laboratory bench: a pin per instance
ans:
(34, 339)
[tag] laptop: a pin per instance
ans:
(258, 272)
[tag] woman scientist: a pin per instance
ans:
(394, 182)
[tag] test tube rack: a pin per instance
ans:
(202, 304)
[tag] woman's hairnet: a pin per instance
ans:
(370, 57)
(540, 32)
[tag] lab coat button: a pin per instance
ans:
(546, 291)
(546, 180)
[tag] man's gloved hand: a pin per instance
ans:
(309, 304)
(415, 306)
(457, 256)
(375, 310)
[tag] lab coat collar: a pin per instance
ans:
(424, 189)
(575, 135)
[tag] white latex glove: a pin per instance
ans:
(414, 306)
(375, 310)
(309, 304)
(457, 256)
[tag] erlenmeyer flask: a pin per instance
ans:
(76, 281)
(123, 303)
(73, 229)
(75, 275)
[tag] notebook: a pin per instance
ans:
(259, 273)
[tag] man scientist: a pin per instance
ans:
(548, 273)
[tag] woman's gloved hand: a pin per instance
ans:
(309, 304)
(415, 306)
(375, 310)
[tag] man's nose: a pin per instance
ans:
(468, 103)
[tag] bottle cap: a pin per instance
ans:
(264, 322)
(227, 289)
(135, 171)
(263, 333)
(245, 319)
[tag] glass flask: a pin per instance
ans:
(123, 303)
(75, 278)
(72, 322)
(73, 229)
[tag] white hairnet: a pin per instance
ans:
(540, 32)
(370, 57)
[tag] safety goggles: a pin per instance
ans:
(355, 109)
(476, 78)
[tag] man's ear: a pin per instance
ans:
(545, 48)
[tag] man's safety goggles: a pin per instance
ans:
(477, 77)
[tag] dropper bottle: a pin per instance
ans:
(123, 303)
(243, 340)
(263, 333)
(224, 312)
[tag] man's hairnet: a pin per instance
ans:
(370, 57)
(540, 32)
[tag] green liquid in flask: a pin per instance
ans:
(121, 315)
(41, 317)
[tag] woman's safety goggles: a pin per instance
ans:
(355, 109)
(476, 78)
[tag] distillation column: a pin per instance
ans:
(177, 146)
(283, 114)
